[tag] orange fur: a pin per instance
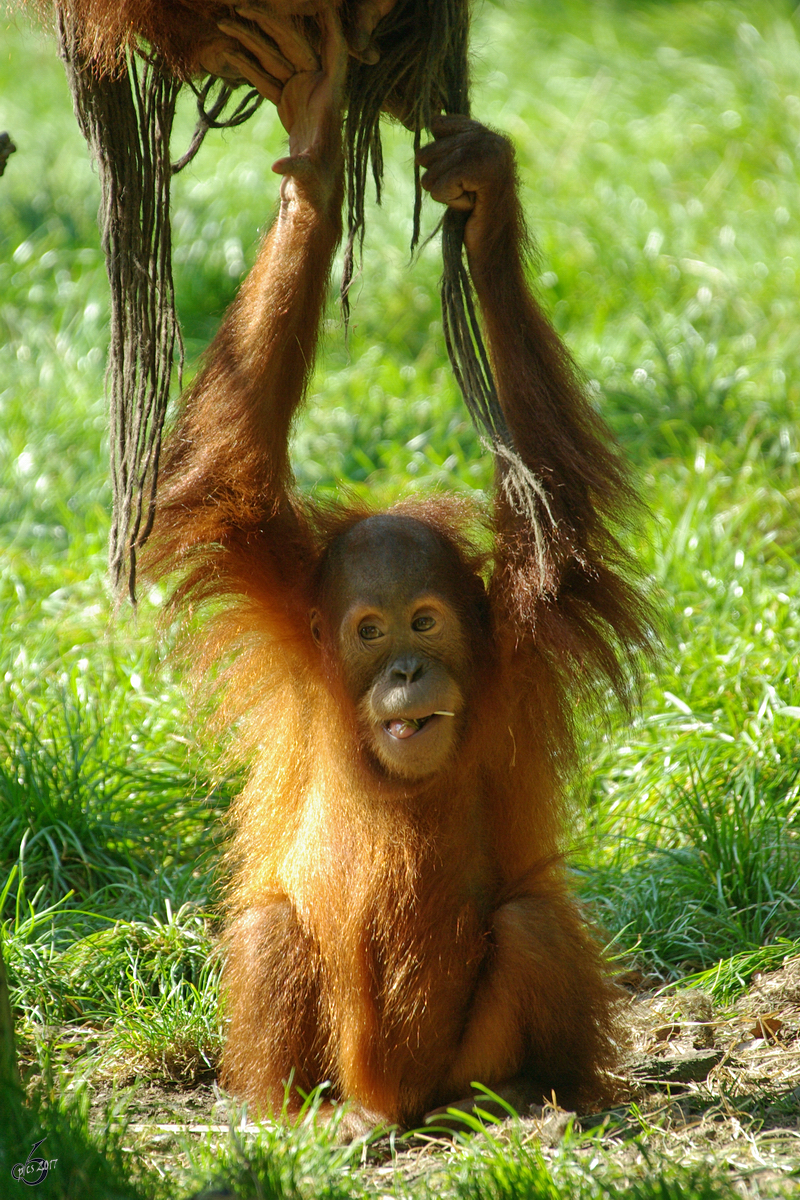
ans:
(177, 30)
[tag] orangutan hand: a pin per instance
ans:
(259, 48)
(310, 108)
(469, 167)
(264, 46)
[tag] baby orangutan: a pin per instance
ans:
(400, 921)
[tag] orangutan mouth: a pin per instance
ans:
(406, 727)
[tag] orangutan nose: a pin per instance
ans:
(407, 670)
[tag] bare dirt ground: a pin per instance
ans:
(699, 1085)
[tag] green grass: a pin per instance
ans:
(502, 1167)
(657, 145)
(729, 978)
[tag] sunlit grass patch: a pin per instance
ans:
(709, 872)
(730, 976)
(95, 794)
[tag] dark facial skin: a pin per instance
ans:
(392, 614)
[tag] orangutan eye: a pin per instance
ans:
(421, 624)
(369, 633)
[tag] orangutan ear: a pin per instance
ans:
(316, 631)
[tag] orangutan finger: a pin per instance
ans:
(464, 203)
(451, 193)
(444, 125)
(445, 184)
(213, 57)
(269, 87)
(285, 35)
(440, 156)
(264, 50)
(224, 59)
(333, 49)
(369, 13)
(298, 165)
(457, 143)
(369, 56)
(442, 187)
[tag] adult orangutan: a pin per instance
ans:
(400, 921)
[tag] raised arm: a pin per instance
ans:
(559, 569)
(226, 472)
